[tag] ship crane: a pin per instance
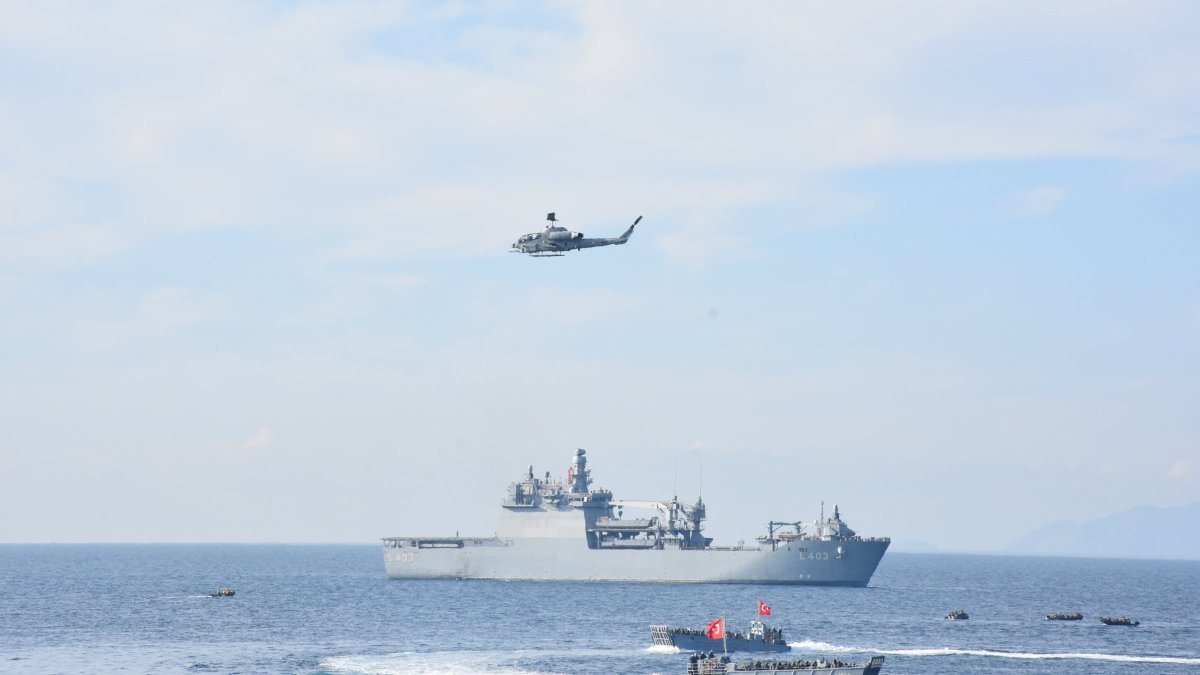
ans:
(776, 525)
(641, 504)
(672, 509)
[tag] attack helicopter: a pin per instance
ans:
(556, 240)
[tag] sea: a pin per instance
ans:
(331, 609)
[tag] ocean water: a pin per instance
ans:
(331, 609)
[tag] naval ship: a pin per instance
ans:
(552, 530)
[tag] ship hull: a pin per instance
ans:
(826, 563)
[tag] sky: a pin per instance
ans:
(934, 262)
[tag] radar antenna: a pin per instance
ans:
(675, 478)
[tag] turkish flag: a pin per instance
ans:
(764, 609)
(716, 630)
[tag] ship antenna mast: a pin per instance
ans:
(724, 633)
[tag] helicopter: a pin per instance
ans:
(556, 240)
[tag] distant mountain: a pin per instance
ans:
(1140, 532)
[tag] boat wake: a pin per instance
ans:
(445, 663)
(663, 649)
(466, 662)
(810, 645)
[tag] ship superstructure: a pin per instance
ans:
(565, 530)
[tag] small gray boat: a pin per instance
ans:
(760, 638)
(710, 664)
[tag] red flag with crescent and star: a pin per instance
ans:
(716, 630)
(764, 609)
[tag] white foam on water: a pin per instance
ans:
(811, 645)
(663, 649)
(424, 664)
(451, 663)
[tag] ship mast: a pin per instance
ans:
(724, 633)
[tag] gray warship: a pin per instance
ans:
(553, 530)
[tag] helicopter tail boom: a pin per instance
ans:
(625, 237)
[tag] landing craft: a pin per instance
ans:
(557, 240)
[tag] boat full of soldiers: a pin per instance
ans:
(760, 638)
(712, 664)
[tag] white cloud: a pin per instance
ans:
(1036, 201)
(260, 439)
(315, 116)
(1191, 316)
(58, 245)
(22, 201)
(157, 312)
(703, 237)
(398, 282)
(579, 306)
(371, 131)
(699, 248)
(172, 306)
(1184, 468)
